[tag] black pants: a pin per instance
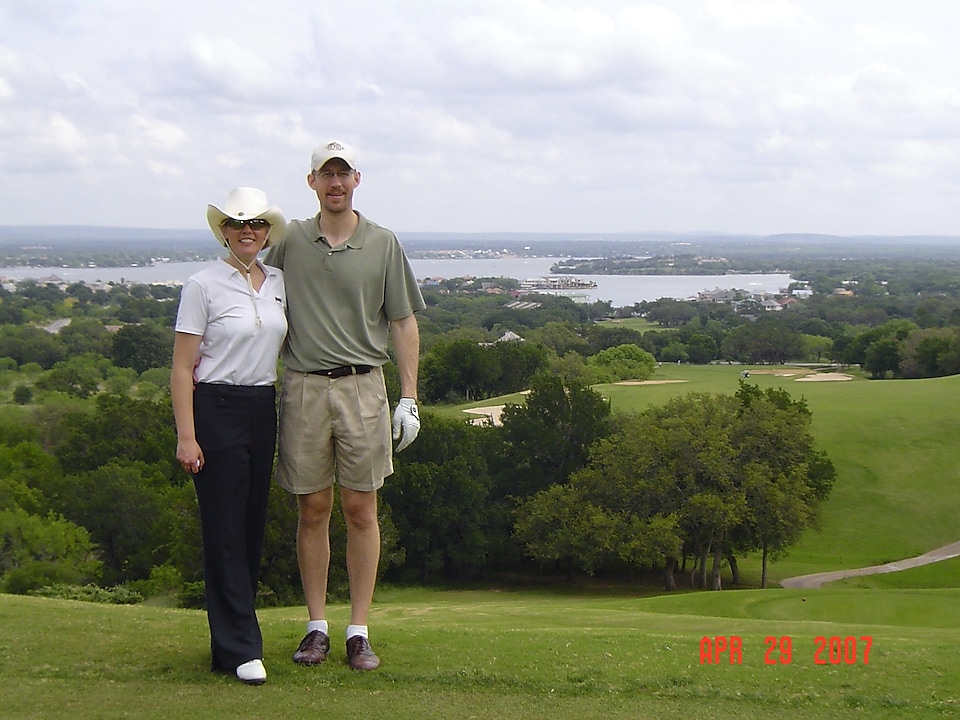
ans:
(236, 428)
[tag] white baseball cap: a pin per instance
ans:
(330, 150)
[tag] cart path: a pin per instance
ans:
(817, 579)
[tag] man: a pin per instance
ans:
(349, 285)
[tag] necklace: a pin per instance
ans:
(245, 270)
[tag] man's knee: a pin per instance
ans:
(359, 509)
(314, 509)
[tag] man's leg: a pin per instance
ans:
(313, 556)
(363, 556)
(313, 549)
(363, 549)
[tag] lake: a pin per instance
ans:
(620, 290)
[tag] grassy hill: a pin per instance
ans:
(504, 655)
(886, 643)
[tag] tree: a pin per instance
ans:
(670, 313)
(77, 376)
(709, 473)
(701, 348)
(517, 362)
(560, 337)
(24, 471)
(573, 369)
(767, 340)
(855, 352)
(125, 509)
(22, 395)
(31, 345)
(559, 524)
(460, 368)
(675, 352)
(119, 428)
(881, 357)
(142, 347)
(624, 362)
(602, 337)
(785, 478)
(923, 352)
(439, 496)
(549, 436)
(86, 335)
(37, 551)
(816, 347)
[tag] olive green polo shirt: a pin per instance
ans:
(340, 301)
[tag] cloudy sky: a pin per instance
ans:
(585, 116)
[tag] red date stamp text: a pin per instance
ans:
(833, 650)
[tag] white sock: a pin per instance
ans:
(320, 625)
(356, 630)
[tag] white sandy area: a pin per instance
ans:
(648, 382)
(825, 377)
(805, 375)
(491, 413)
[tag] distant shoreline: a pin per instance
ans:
(619, 290)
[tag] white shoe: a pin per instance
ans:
(252, 672)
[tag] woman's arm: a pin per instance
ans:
(185, 350)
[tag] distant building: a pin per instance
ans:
(508, 336)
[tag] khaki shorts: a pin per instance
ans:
(333, 429)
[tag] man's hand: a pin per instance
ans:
(406, 421)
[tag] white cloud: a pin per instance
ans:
(762, 15)
(484, 115)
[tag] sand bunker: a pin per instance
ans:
(648, 382)
(491, 414)
(825, 377)
(805, 375)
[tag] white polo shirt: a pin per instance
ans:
(218, 304)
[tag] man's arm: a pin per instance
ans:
(275, 253)
(406, 342)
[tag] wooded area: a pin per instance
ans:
(90, 492)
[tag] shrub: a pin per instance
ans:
(116, 595)
(192, 596)
(36, 574)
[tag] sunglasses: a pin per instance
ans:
(256, 224)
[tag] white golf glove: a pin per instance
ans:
(406, 421)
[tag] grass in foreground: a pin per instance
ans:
(495, 655)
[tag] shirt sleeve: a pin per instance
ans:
(402, 292)
(193, 313)
(275, 253)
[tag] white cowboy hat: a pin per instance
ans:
(245, 203)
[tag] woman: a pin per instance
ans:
(230, 325)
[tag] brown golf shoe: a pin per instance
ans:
(313, 648)
(360, 655)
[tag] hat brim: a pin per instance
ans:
(278, 224)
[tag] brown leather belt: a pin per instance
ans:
(343, 371)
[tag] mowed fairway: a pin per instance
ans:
(505, 655)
